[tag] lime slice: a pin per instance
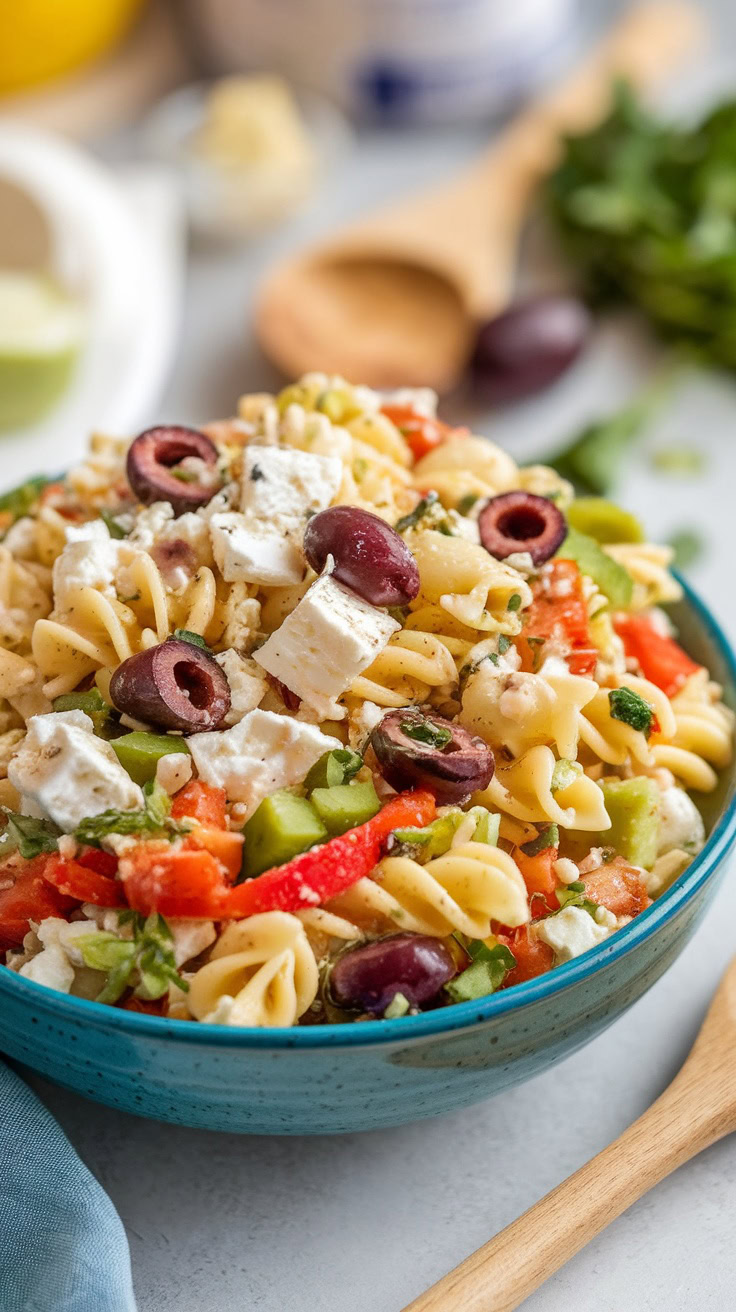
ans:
(41, 331)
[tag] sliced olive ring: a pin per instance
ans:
(523, 522)
(174, 685)
(417, 749)
(151, 462)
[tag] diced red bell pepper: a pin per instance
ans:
(78, 880)
(93, 858)
(559, 614)
(224, 844)
(540, 879)
(29, 898)
(618, 886)
(533, 957)
(177, 881)
(318, 875)
(661, 659)
(200, 801)
(421, 432)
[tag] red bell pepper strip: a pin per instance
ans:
(77, 880)
(422, 433)
(28, 898)
(319, 875)
(662, 660)
(558, 613)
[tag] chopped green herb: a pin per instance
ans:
(398, 1006)
(334, 768)
(434, 735)
(419, 511)
(149, 954)
(196, 639)
(399, 613)
(466, 503)
(573, 895)
(19, 501)
(503, 644)
(681, 461)
(514, 601)
(114, 529)
(27, 835)
(489, 968)
(688, 546)
(154, 820)
(628, 706)
(184, 475)
(549, 837)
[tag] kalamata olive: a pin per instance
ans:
(175, 685)
(151, 462)
(528, 346)
(369, 555)
(369, 977)
(423, 750)
(521, 521)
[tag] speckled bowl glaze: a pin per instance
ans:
(328, 1079)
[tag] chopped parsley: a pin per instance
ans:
(549, 837)
(488, 970)
(149, 954)
(152, 821)
(433, 735)
(573, 895)
(420, 510)
(27, 835)
(514, 601)
(627, 706)
(115, 529)
(196, 639)
(19, 501)
(466, 503)
(503, 644)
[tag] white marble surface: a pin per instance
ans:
(219, 1223)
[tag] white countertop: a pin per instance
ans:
(220, 1223)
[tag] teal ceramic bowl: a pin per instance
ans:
(327, 1079)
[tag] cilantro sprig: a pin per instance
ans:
(147, 958)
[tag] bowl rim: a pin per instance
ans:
(445, 1020)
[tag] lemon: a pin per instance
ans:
(41, 39)
(41, 333)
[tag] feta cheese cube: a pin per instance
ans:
(325, 643)
(89, 560)
(249, 553)
(67, 773)
(190, 938)
(247, 684)
(150, 523)
(261, 753)
(173, 771)
(571, 932)
(680, 822)
(282, 486)
(51, 968)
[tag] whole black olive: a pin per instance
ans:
(175, 685)
(369, 555)
(368, 977)
(417, 749)
(521, 521)
(151, 462)
(528, 346)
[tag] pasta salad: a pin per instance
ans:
(329, 712)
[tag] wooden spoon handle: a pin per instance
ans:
(498, 1276)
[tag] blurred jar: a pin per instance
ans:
(42, 39)
(403, 61)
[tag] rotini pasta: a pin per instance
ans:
(329, 780)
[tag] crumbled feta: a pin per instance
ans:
(67, 773)
(261, 753)
(680, 822)
(282, 487)
(20, 538)
(522, 561)
(65, 934)
(250, 553)
(571, 932)
(247, 685)
(566, 870)
(150, 523)
(325, 643)
(361, 723)
(605, 917)
(173, 771)
(190, 938)
(421, 399)
(222, 1013)
(51, 968)
(90, 560)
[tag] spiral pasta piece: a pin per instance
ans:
(408, 667)
(648, 565)
(261, 972)
(463, 466)
(701, 736)
(464, 890)
(612, 740)
(468, 584)
(523, 790)
(521, 710)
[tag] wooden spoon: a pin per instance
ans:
(394, 299)
(697, 1109)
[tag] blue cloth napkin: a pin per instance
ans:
(62, 1244)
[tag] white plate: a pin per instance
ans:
(120, 237)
